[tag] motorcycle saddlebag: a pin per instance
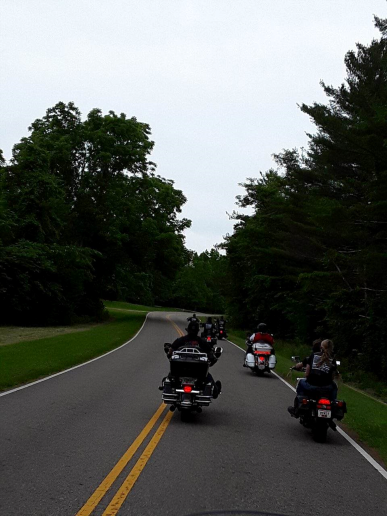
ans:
(272, 361)
(339, 408)
(250, 360)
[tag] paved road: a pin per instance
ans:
(60, 439)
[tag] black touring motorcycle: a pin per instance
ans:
(187, 388)
(318, 409)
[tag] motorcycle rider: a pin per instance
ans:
(260, 335)
(320, 369)
(208, 328)
(316, 348)
(193, 318)
(193, 340)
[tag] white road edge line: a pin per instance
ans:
(368, 457)
(74, 367)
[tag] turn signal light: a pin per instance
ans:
(304, 401)
(187, 388)
(340, 404)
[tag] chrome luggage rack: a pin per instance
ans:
(192, 353)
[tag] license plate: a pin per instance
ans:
(324, 413)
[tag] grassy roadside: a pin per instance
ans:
(26, 361)
(366, 416)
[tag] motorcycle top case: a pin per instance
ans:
(189, 368)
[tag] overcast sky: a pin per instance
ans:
(218, 81)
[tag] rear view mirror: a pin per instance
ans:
(296, 359)
(167, 345)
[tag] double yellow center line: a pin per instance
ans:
(127, 485)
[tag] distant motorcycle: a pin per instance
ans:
(261, 359)
(209, 334)
(221, 333)
(187, 388)
(318, 409)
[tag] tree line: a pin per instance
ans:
(311, 259)
(84, 217)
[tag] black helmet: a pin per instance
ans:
(193, 328)
(262, 327)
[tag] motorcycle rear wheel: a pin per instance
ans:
(319, 433)
(185, 416)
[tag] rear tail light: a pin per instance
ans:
(208, 339)
(262, 359)
(340, 404)
(187, 388)
(323, 403)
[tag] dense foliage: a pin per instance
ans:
(311, 260)
(202, 284)
(83, 216)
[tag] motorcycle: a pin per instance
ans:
(221, 333)
(261, 359)
(209, 334)
(318, 409)
(187, 388)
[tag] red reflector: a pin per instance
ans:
(187, 388)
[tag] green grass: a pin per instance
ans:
(367, 417)
(141, 308)
(27, 361)
(14, 334)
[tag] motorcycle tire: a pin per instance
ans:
(185, 416)
(319, 433)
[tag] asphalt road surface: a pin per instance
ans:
(97, 440)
